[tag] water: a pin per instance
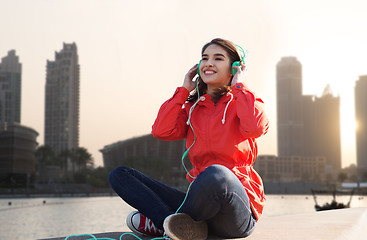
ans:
(30, 218)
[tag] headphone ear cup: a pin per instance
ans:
(198, 71)
(236, 63)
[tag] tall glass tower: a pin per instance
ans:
(289, 106)
(62, 100)
(10, 88)
(321, 133)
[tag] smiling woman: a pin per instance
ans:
(220, 118)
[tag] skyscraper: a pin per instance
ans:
(10, 88)
(17, 142)
(321, 132)
(361, 118)
(289, 106)
(308, 126)
(62, 100)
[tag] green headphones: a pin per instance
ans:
(234, 64)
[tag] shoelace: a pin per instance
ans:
(149, 226)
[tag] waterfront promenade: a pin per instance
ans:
(344, 224)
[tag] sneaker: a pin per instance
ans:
(181, 226)
(140, 224)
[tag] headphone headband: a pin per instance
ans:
(240, 50)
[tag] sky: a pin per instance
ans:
(133, 55)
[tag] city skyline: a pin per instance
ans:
(308, 126)
(134, 55)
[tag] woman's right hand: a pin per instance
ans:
(188, 83)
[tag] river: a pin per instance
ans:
(37, 218)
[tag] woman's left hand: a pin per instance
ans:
(239, 77)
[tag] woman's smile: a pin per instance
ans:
(209, 72)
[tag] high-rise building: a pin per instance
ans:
(361, 118)
(10, 88)
(17, 142)
(321, 131)
(308, 126)
(62, 100)
(289, 106)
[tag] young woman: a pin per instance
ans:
(220, 126)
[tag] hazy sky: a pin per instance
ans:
(133, 54)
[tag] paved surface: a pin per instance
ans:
(334, 224)
(344, 224)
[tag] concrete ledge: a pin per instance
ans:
(344, 224)
(341, 224)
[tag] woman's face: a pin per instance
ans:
(215, 67)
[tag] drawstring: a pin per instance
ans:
(225, 110)
(224, 114)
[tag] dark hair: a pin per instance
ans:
(233, 54)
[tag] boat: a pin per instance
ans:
(333, 204)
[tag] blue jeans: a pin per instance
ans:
(216, 196)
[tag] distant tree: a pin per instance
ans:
(351, 172)
(154, 167)
(44, 156)
(64, 156)
(80, 177)
(47, 161)
(83, 158)
(73, 159)
(99, 178)
(342, 177)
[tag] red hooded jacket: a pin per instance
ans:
(225, 134)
